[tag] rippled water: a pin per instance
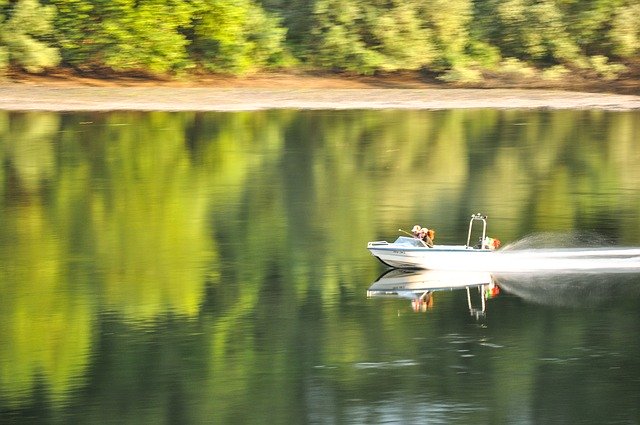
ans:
(212, 267)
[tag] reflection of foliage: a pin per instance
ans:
(30, 149)
(141, 238)
(237, 222)
(47, 326)
(46, 329)
(149, 227)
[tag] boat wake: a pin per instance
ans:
(611, 260)
(576, 269)
(548, 240)
(573, 289)
(565, 252)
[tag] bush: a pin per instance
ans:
(608, 71)
(555, 73)
(484, 54)
(4, 59)
(514, 68)
(23, 35)
(463, 75)
(238, 37)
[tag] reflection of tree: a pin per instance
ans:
(124, 218)
(149, 220)
(47, 327)
(352, 176)
(230, 225)
(28, 146)
(46, 331)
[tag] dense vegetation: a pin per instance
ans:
(460, 40)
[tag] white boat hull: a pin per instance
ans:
(460, 257)
(444, 257)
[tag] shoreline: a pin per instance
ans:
(27, 97)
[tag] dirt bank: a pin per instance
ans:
(286, 91)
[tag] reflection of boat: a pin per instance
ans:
(419, 286)
(406, 282)
(408, 252)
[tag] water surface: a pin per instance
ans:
(211, 267)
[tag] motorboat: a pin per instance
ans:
(412, 252)
(419, 286)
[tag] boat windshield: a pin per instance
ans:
(405, 240)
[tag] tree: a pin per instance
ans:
(365, 36)
(625, 32)
(534, 31)
(25, 37)
(449, 21)
(236, 37)
(146, 36)
(124, 35)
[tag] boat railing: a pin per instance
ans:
(378, 243)
(474, 218)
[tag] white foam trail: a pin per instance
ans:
(573, 289)
(578, 252)
(558, 260)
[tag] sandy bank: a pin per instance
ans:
(20, 97)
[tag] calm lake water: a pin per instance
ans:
(211, 267)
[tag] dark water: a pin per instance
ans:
(211, 268)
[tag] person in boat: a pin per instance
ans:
(424, 234)
(491, 243)
(431, 235)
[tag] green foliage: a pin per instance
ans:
(454, 37)
(589, 24)
(460, 74)
(608, 71)
(24, 37)
(484, 54)
(535, 31)
(337, 42)
(78, 32)
(516, 69)
(125, 34)
(449, 21)
(369, 36)
(4, 58)
(146, 36)
(549, 32)
(555, 73)
(236, 37)
(401, 38)
(625, 31)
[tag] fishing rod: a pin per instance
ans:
(414, 237)
(407, 233)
